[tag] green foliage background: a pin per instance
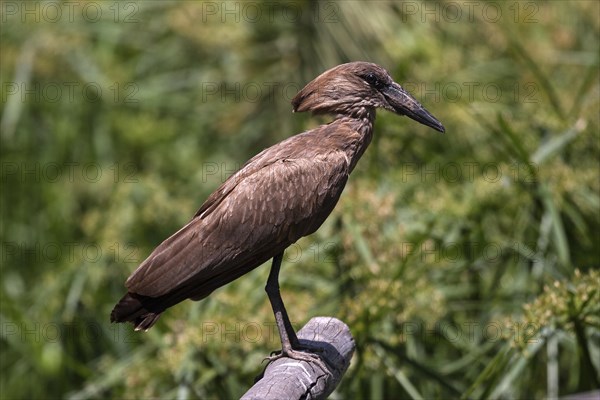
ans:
(465, 264)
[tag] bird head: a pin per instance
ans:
(352, 88)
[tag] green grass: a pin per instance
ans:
(465, 264)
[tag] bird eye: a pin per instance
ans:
(372, 80)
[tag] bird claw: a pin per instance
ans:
(298, 354)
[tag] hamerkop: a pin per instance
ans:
(280, 195)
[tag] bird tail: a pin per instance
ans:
(136, 309)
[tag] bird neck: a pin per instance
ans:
(360, 121)
(361, 117)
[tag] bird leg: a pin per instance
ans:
(290, 345)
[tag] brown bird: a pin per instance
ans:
(280, 195)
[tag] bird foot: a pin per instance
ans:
(297, 353)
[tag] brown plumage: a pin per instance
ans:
(280, 195)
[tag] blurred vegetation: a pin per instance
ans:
(465, 264)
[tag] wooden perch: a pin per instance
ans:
(286, 378)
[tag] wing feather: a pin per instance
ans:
(259, 211)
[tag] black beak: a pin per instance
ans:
(403, 103)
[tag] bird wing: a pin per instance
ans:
(269, 204)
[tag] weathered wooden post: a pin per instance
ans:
(286, 378)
